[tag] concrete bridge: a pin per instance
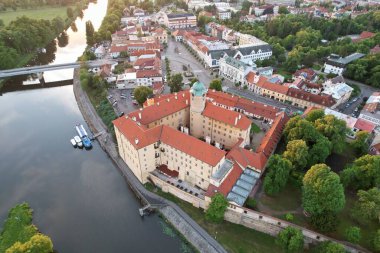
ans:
(43, 68)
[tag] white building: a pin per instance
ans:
(249, 54)
(336, 64)
(224, 14)
(234, 70)
(126, 81)
(180, 21)
(148, 77)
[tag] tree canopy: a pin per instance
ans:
(352, 234)
(142, 93)
(175, 82)
(290, 239)
(329, 247)
(322, 191)
(367, 208)
(216, 84)
(278, 173)
(216, 209)
(363, 174)
(297, 153)
(360, 143)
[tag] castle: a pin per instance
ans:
(194, 141)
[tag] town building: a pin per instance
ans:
(250, 53)
(180, 21)
(195, 140)
(336, 64)
(233, 69)
(371, 110)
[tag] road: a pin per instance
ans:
(43, 68)
(183, 57)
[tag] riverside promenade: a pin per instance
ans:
(195, 234)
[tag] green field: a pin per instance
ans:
(41, 13)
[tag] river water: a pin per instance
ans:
(79, 198)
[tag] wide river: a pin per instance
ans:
(79, 198)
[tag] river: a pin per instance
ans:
(79, 198)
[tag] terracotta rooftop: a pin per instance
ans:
(147, 73)
(226, 116)
(222, 98)
(191, 146)
(247, 158)
(141, 137)
(250, 77)
(273, 135)
(327, 101)
(162, 108)
(265, 84)
(375, 50)
(257, 108)
(226, 186)
(142, 52)
(364, 125)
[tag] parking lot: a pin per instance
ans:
(123, 99)
(351, 106)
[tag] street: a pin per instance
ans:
(183, 57)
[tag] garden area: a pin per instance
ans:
(319, 181)
(234, 238)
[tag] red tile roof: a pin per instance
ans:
(308, 74)
(192, 146)
(226, 116)
(222, 98)
(247, 158)
(273, 135)
(162, 108)
(226, 186)
(147, 73)
(327, 101)
(265, 84)
(375, 50)
(250, 77)
(142, 52)
(141, 137)
(364, 35)
(256, 108)
(164, 169)
(364, 125)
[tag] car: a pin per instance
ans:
(135, 102)
(122, 96)
(356, 109)
(114, 103)
(110, 96)
(347, 105)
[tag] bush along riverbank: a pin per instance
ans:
(20, 235)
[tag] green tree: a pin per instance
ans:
(70, 12)
(376, 241)
(37, 244)
(363, 174)
(142, 93)
(324, 222)
(283, 10)
(90, 33)
(175, 83)
(278, 173)
(352, 234)
(216, 84)
(329, 247)
(216, 209)
(319, 151)
(290, 239)
(315, 115)
(322, 191)
(360, 143)
(246, 5)
(297, 153)
(301, 129)
(334, 129)
(367, 207)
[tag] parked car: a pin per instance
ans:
(355, 99)
(135, 102)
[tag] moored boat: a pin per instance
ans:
(74, 143)
(78, 141)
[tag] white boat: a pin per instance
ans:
(74, 143)
(78, 141)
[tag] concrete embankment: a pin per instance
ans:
(195, 234)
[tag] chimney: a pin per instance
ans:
(136, 141)
(236, 120)
(187, 102)
(158, 103)
(168, 99)
(176, 97)
(183, 95)
(139, 115)
(239, 116)
(134, 118)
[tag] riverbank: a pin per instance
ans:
(193, 233)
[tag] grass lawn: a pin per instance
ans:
(18, 227)
(47, 12)
(287, 200)
(234, 238)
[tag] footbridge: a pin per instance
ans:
(43, 68)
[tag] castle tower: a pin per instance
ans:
(197, 105)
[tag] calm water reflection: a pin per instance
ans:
(78, 196)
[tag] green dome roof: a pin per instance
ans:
(198, 89)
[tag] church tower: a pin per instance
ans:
(197, 105)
